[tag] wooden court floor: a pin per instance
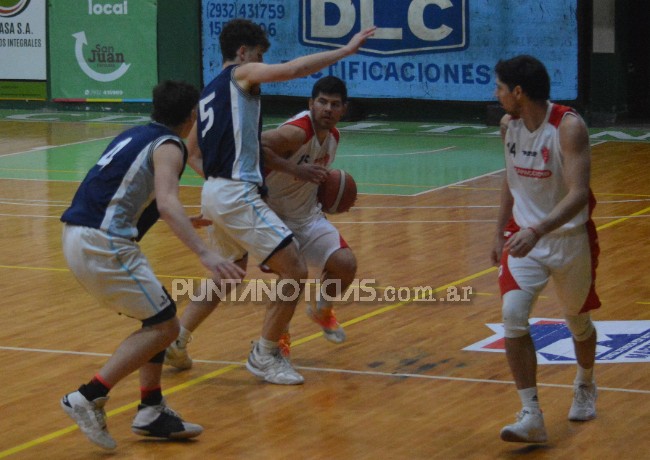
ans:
(401, 387)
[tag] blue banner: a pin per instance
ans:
(423, 49)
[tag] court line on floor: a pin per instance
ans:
(240, 364)
(213, 374)
(47, 147)
(376, 155)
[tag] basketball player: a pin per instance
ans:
(225, 148)
(299, 153)
(544, 231)
(134, 182)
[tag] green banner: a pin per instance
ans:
(103, 50)
(23, 90)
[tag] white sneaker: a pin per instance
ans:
(326, 319)
(90, 416)
(162, 422)
(529, 427)
(273, 368)
(177, 356)
(584, 402)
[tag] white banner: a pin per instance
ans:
(22, 40)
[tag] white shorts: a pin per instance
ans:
(115, 271)
(317, 239)
(570, 258)
(241, 221)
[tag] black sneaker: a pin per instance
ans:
(162, 422)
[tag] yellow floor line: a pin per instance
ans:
(231, 367)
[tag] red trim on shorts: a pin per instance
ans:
(592, 302)
(507, 282)
(511, 228)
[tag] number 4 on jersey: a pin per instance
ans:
(108, 156)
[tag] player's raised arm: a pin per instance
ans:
(256, 72)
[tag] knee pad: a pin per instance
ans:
(516, 309)
(581, 326)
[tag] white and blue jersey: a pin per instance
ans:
(229, 130)
(118, 195)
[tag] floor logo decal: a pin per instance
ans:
(618, 341)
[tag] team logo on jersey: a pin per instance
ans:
(100, 56)
(10, 8)
(545, 154)
(618, 341)
(413, 26)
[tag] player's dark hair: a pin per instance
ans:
(173, 102)
(527, 72)
(330, 85)
(238, 32)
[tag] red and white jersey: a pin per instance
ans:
(535, 172)
(296, 199)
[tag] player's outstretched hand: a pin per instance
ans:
(521, 243)
(359, 39)
(221, 268)
(311, 173)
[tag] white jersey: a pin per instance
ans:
(535, 172)
(294, 199)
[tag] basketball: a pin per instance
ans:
(338, 192)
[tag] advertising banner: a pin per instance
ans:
(423, 49)
(22, 49)
(103, 50)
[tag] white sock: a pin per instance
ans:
(584, 376)
(184, 336)
(529, 398)
(267, 347)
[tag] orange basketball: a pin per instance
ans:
(338, 192)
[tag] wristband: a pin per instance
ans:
(535, 232)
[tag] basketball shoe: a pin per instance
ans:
(584, 402)
(162, 422)
(177, 356)
(529, 427)
(90, 416)
(326, 319)
(273, 368)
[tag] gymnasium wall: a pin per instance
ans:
(98, 54)
(430, 59)
(436, 50)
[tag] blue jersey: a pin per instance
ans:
(229, 130)
(118, 194)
